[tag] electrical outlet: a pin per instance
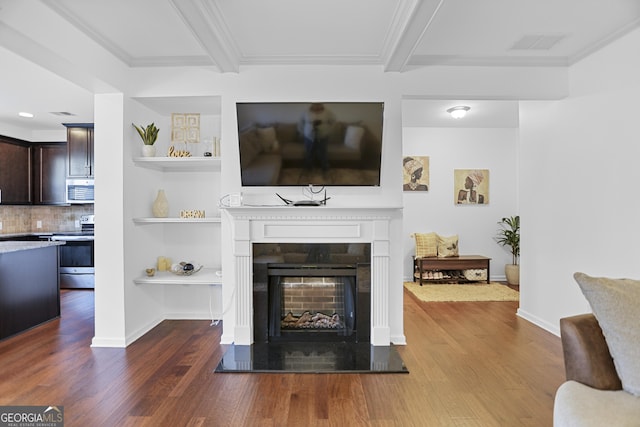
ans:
(77, 224)
(38, 224)
(0, 225)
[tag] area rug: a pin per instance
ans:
(462, 292)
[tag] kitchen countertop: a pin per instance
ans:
(37, 233)
(6, 247)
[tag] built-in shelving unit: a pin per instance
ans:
(167, 165)
(206, 276)
(152, 220)
(190, 164)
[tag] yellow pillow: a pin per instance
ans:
(447, 246)
(426, 245)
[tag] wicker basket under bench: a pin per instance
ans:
(422, 267)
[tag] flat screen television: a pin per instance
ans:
(302, 143)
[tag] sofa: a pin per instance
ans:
(267, 148)
(601, 357)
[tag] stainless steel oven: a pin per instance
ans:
(77, 267)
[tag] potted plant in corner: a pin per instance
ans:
(149, 136)
(509, 235)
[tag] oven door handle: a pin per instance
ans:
(72, 238)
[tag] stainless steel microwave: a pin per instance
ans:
(80, 191)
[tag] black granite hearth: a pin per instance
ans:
(311, 357)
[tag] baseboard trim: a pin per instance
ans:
(549, 327)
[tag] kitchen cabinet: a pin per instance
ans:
(29, 288)
(15, 172)
(49, 173)
(80, 151)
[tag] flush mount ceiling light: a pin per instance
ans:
(25, 114)
(459, 111)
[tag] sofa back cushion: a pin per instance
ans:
(287, 132)
(250, 147)
(616, 305)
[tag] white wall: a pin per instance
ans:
(110, 328)
(435, 209)
(357, 83)
(578, 181)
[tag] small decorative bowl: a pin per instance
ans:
(185, 268)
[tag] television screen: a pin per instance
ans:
(302, 143)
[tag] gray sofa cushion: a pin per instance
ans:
(263, 170)
(616, 305)
(580, 405)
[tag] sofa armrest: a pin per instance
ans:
(586, 354)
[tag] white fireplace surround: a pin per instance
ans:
(324, 224)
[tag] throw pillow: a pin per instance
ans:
(268, 138)
(353, 137)
(447, 246)
(616, 305)
(426, 245)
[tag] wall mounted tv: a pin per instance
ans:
(302, 143)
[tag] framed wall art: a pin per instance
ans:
(471, 186)
(415, 173)
(185, 127)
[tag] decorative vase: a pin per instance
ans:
(148, 150)
(160, 207)
(512, 271)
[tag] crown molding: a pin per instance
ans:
(489, 61)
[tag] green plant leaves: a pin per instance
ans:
(149, 134)
(509, 235)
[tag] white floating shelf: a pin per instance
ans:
(206, 276)
(181, 164)
(152, 220)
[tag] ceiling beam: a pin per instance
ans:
(204, 20)
(412, 24)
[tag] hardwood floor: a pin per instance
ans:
(471, 364)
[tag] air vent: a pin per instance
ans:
(61, 113)
(537, 42)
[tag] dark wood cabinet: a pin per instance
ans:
(15, 172)
(29, 288)
(49, 173)
(80, 151)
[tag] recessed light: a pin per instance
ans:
(25, 114)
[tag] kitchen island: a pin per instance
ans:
(29, 285)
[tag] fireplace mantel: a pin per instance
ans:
(323, 224)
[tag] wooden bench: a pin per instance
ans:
(459, 263)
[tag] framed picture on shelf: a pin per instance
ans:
(185, 127)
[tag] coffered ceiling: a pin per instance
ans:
(227, 35)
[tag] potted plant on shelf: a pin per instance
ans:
(149, 136)
(509, 235)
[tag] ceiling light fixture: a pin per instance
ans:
(459, 111)
(25, 114)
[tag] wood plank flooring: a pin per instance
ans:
(471, 364)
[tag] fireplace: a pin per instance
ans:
(247, 226)
(314, 299)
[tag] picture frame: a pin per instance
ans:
(415, 173)
(471, 186)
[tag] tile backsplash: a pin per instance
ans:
(24, 219)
